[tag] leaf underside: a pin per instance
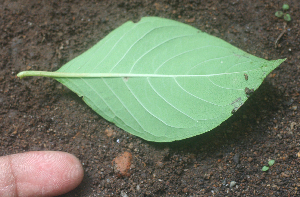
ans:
(202, 79)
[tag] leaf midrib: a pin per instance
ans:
(113, 75)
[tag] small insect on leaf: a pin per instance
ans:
(246, 77)
(162, 80)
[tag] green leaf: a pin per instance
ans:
(265, 168)
(285, 6)
(287, 17)
(163, 80)
(279, 14)
(271, 162)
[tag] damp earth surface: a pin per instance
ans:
(41, 114)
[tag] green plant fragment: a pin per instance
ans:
(271, 162)
(265, 168)
(285, 6)
(163, 80)
(287, 17)
(279, 14)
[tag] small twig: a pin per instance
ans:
(283, 31)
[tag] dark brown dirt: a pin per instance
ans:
(41, 114)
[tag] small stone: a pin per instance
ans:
(216, 31)
(158, 6)
(123, 194)
(294, 107)
(293, 124)
(219, 154)
(191, 20)
(285, 174)
(207, 176)
(59, 86)
(14, 133)
(122, 164)
(60, 34)
(250, 159)
(160, 164)
(224, 182)
(236, 158)
(130, 146)
(232, 184)
(298, 154)
(109, 132)
(185, 190)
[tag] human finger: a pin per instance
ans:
(39, 173)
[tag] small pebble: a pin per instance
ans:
(185, 190)
(207, 176)
(216, 31)
(236, 158)
(224, 182)
(123, 194)
(294, 107)
(191, 20)
(109, 132)
(285, 175)
(293, 124)
(232, 183)
(122, 164)
(130, 146)
(160, 164)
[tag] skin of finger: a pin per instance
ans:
(39, 173)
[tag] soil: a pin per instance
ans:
(41, 114)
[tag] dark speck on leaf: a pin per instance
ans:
(125, 79)
(233, 111)
(248, 91)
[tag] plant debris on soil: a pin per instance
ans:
(40, 114)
